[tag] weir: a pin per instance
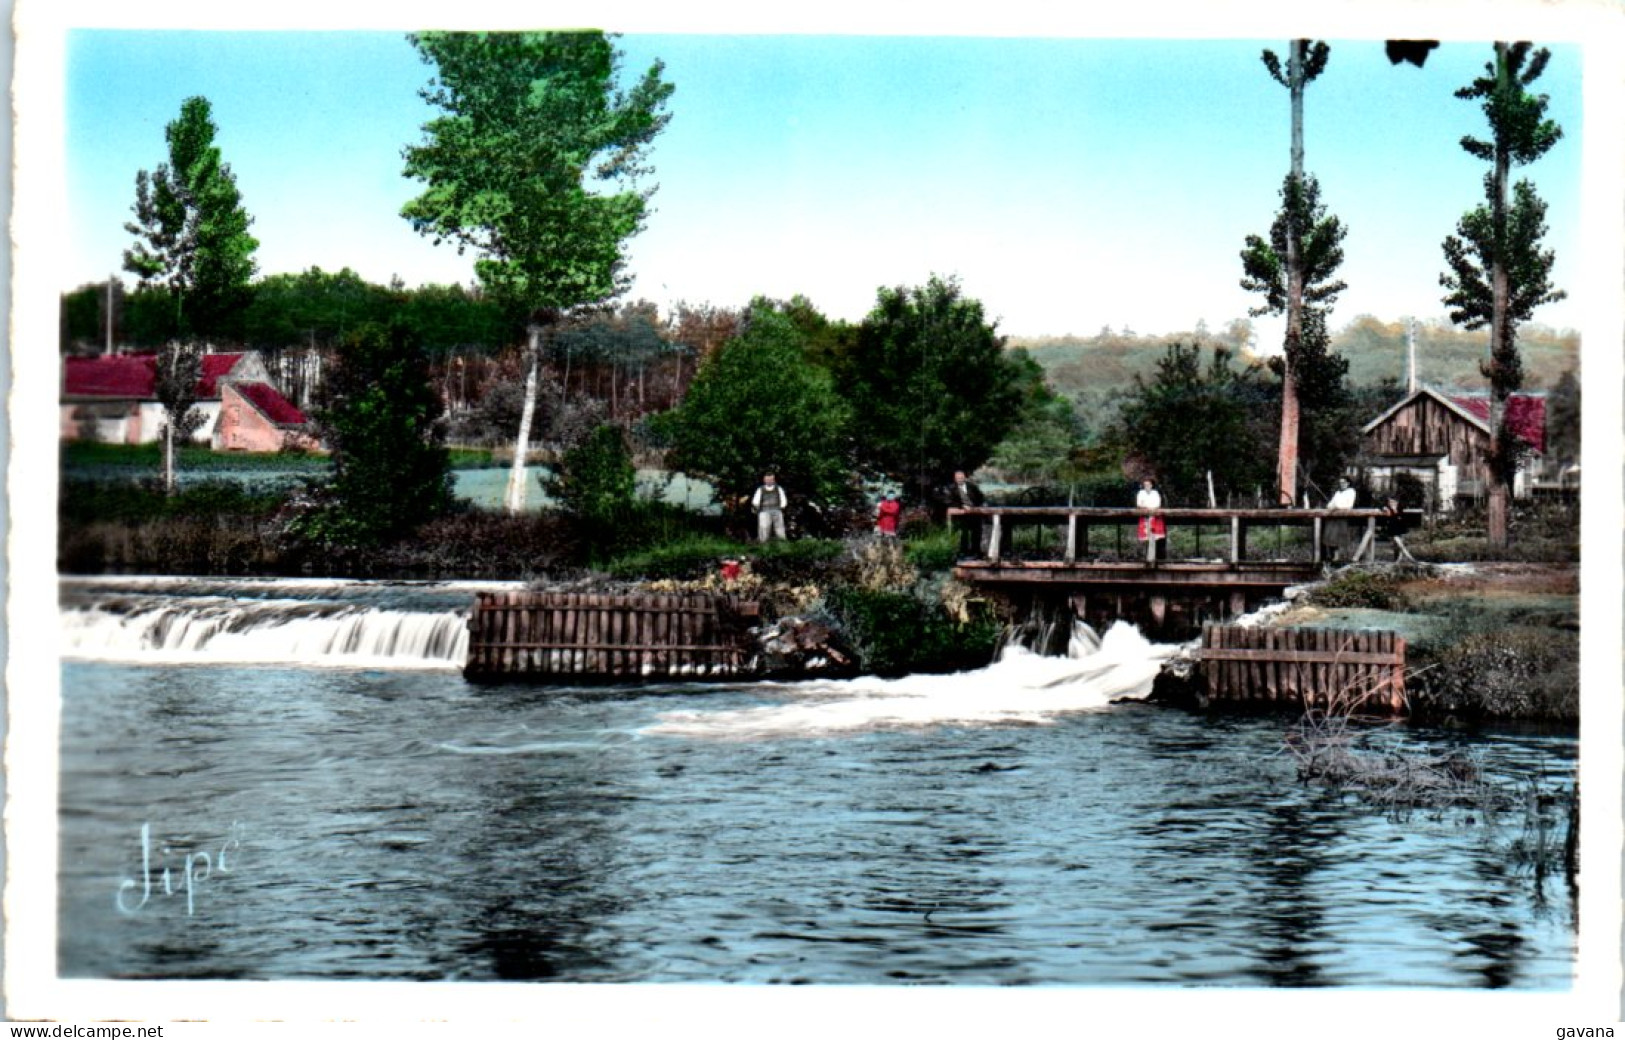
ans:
(161, 628)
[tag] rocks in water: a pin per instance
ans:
(795, 646)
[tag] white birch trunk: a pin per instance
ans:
(514, 500)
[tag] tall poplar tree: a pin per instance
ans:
(1498, 272)
(1306, 60)
(191, 230)
(523, 166)
(1297, 263)
(192, 242)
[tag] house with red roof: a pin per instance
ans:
(1442, 438)
(113, 398)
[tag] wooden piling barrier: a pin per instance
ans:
(583, 637)
(1323, 668)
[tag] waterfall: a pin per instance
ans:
(1049, 633)
(162, 627)
(1020, 688)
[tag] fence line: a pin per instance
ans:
(1311, 667)
(588, 636)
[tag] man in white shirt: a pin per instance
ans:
(769, 502)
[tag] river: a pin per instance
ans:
(292, 780)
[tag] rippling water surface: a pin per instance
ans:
(1002, 827)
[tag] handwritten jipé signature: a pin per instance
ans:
(195, 868)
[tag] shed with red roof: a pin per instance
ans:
(1442, 438)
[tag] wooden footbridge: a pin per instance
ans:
(1213, 563)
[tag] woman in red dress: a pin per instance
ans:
(1152, 526)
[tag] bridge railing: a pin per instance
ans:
(1069, 529)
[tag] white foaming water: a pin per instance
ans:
(224, 631)
(1020, 688)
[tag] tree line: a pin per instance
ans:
(537, 160)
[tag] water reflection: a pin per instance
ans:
(1291, 914)
(400, 825)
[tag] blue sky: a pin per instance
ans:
(1069, 183)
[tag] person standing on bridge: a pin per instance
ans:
(1345, 497)
(962, 494)
(1340, 533)
(769, 501)
(1152, 527)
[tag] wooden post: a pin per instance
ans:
(1072, 538)
(998, 534)
(1317, 538)
(1396, 676)
(1237, 539)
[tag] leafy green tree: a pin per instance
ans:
(1189, 420)
(1284, 267)
(454, 319)
(381, 418)
(82, 318)
(192, 230)
(757, 404)
(1563, 420)
(535, 163)
(1499, 273)
(596, 480)
(595, 485)
(314, 308)
(930, 384)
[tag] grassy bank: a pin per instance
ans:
(1486, 641)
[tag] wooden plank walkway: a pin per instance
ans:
(602, 637)
(1077, 522)
(1329, 669)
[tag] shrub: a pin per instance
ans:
(595, 482)
(101, 501)
(804, 560)
(894, 633)
(231, 545)
(1507, 672)
(879, 563)
(933, 551)
(1369, 590)
(479, 544)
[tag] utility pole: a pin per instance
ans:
(1410, 352)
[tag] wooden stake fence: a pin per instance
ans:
(1306, 667)
(588, 636)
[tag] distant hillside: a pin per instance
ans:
(1093, 371)
(1446, 356)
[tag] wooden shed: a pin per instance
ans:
(1442, 438)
